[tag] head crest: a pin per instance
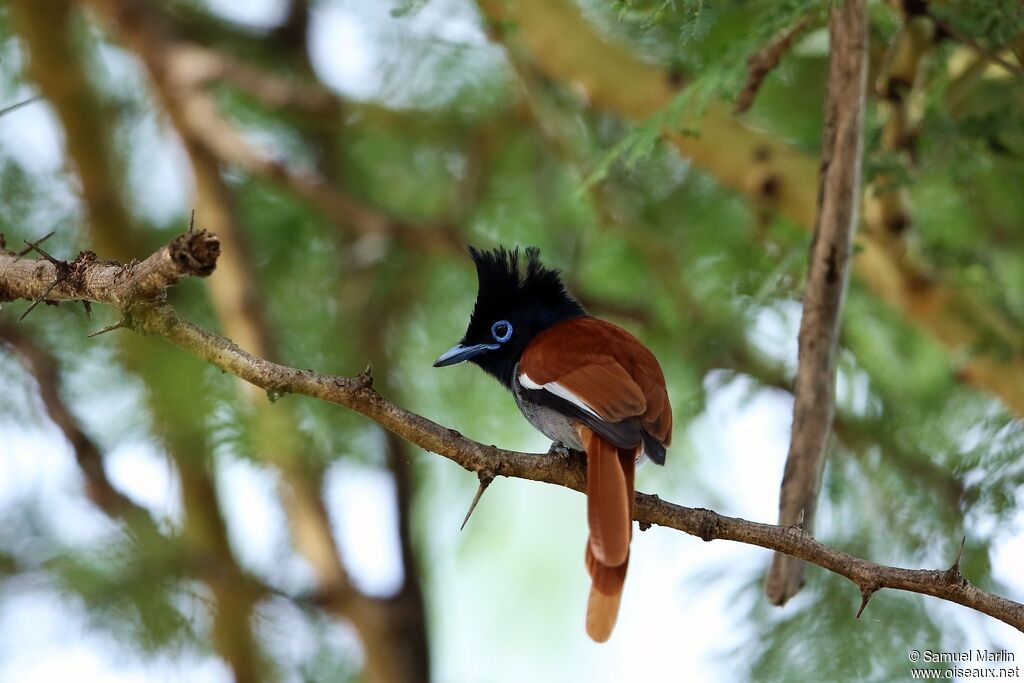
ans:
(510, 278)
(499, 270)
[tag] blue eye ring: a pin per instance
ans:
(501, 338)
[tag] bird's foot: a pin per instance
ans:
(558, 448)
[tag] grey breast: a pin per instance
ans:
(554, 425)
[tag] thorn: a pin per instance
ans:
(865, 595)
(953, 575)
(35, 244)
(365, 378)
(41, 297)
(959, 555)
(123, 322)
(18, 105)
(192, 221)
(485, 480)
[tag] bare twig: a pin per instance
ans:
(191, 254)
(761, 63)
(357, 394)
(839, 193)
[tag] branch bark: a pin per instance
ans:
(89, 279)
(839, 194)
(155, 317)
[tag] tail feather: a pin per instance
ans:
(608, 502)
(602, 611)
(608, 580)
(605, 596)
(610, 489)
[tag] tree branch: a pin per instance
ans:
(86, 278)
(153, 316)
(839, 194)
(761, 63)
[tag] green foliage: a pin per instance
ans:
(710, 42)
(129, 593)
(994, 23)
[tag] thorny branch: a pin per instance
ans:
(151, 315)
(106, 282)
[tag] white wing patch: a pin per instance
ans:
(558, 390)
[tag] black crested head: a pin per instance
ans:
(518, 297)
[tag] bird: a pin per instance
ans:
(585, 383)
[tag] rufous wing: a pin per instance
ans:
(601, 375)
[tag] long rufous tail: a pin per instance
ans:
(610, 519)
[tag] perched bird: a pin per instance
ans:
(586, 384)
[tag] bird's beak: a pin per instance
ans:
(460, 353)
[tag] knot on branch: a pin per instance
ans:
(708, 529)
(364, 380)
(195, 253)
(75, 271)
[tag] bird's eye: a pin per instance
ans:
(501, 331)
